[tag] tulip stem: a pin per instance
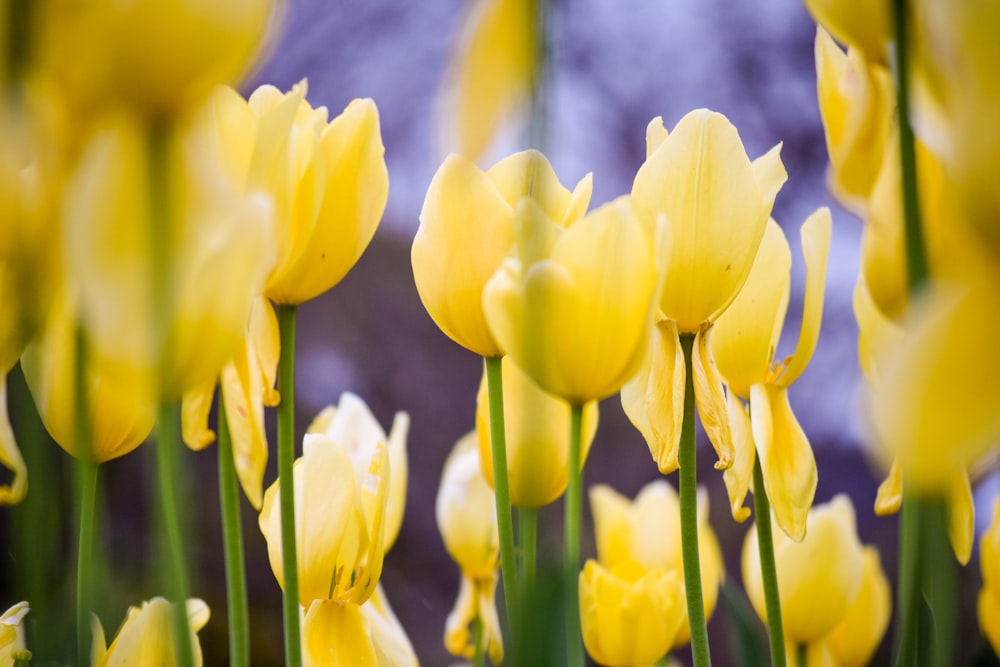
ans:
(802, 655)
(574, 505)
(478, 654)
(232, 537)
(527, 525)
(175, 573)
(768, 570)
(86, 469)
(505, 522)
(286, 459)
(909, 598)
(687, 461)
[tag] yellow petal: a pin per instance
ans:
(243, 401)
(711, 401)
(738, 476)
(392, 646)
(653, 399)
(466, 229)
(701, 180)
(989, 596)
(263, 330)
(487, 609)
(146, 637)
(337, 634)
(867, 27)
(855, 639)
(196, 403)
(961, 516)
(656, 134)
(786, 459)
(770, 174)
(529, 174)
(816, 231)
(613, 525)
(10, 456)
(465, 511)
(876, 332)
(12, 631)
(890, 492)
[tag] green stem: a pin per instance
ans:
(768, 570)
(527, 525)
(802, 653)
(479, 652)
(574, 506)
(908, 595)
(232, 537)
(940, 573)
(286, 459)
(86, 469)
(505, 524)
(175, 574)
(687, 461)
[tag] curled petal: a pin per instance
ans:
(890, 492)
(196, 403)
(738, 476)
(337, 635)
(711, 401)
(476, 600)
(10, 456)
(243, 401)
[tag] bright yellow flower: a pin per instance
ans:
(328, 180)
(716, 204)
(854, 640)
(647, 532)
(818, 578)
(352, 426)
(865, 26)
(339, 522)
(537, 427)
(119, 418)
(744, 343)
(467, 229)
(572, 306)
(104, 52)
(12, 632)
(466, 516)
(146, 638)
(194, 247)
(989, 596)
(491, 73)
(629, 614)
(857, 101)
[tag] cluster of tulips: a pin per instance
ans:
(160, 230)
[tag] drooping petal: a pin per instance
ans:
(336, 634)
(786, 459)
(816, 231)
(711, 400)
(961, 516)
(653, 399)
(392, 646)
(487, 608)
(457, 638)
(196, 403)
(263, 330)
(243, 401)
(890, 492)
(738, 476)
(10, 456)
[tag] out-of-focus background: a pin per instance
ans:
(615, 66)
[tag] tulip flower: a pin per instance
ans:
(818, 578)
(339, 522)
(467, 229)
(146, 638)
(537, 427)
(12, 632)
(866, 28)
(744, 344)
(716, 204)
(854, 640)
(646, 531)
(989, 596)
(490, 74)
(467, 521)
(628, 613)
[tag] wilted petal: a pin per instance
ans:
(243, 401)
(196, 404)
(711, 401)
(10, 456)
(890, 492)
(738, 476)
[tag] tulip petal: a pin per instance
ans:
(961, 516)
(876, 332)
(855, 639)
(786, 459)
(711, 401)
(243, 401)
(738, 476)
(10, 456)
(196, 404)
(263, 330)
(457, 638)
(656, 134)
(389, 639)
(529, 175)
(890, 492)
(770, 174)
(816, 231)
(579, 200)
(337, 635)
(653, 399)
(612, 524)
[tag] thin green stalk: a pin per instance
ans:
(501, 489)
(86, 469)
(232, 538)
(940, 572)
(175, 570)
(286, 458)
(479, 652)
(768, 571)
(687, 461)
(527, 526)
(574, 506)
(908, 596)
(802, 653)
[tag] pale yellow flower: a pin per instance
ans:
(12, 632)
(146, 638)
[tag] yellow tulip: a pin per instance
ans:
(193, 246)
(12, 632)
(466, 517)
(146, 638)
(629, 614)
(467, 229)
(352, 426)
(328, 180)
(818, 578)
(119, 419)
(857, 102)
(572, 307)
(854, 640)
(989, 596)
(104, 52)
(491, 73)
(537, 427)
(744, 343)
(866, 27)
(647, 532)
(339, 522)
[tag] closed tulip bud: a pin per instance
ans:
(573, 306)
(854, 640)
(146, 638)
(12, 632)
(537, 427)
(467, 229)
